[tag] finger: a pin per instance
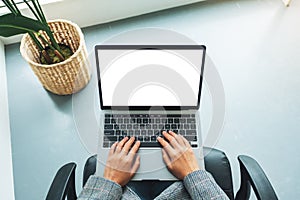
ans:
(128, 145)
(121, 144)
(163, 142)
(177, 138)
(180, 140)
(136, 165)
(113, 148)
(171, 139)
(172, 133)
(135, 147)
(186, 143)
(166, 146)
(166, 157)
(168, 136)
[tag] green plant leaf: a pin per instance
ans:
(11, 24)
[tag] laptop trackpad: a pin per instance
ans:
(152, 166)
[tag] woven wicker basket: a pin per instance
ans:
(69, 76)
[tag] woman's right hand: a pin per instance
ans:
(178, 155)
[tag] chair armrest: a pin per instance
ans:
(63, 184)
(89, 168)
(252, 174)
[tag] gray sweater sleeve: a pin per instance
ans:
(201, 185)
(98, 188)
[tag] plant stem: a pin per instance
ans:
(15, 6)
(40, 47)
(10, 7)
(42, 18)
(46, 56)
(58, 53)
(31, 9)
(41, 11)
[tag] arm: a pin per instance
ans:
(98, 188)
(121, 165)
(201, 185)
(182, 163)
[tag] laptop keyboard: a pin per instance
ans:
(146, 128)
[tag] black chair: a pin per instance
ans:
(216, 162)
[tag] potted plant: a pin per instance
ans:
(55, 50)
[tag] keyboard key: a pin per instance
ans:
(123, 126)
(176, 121)
(193, 126)
(161, 126)
(170, 121)
(157, 132)
(110, 138)
(142, 126)
(186, 126)
(137, 132)
(194, 145)
(146, 138)
(153, 138)
(185, 115)
(174, 115)
(126, 120)
(150, 144)
(140, 138)
(106, 144)
(175, 131)
(192, 120)
(116, 126)
(109, 132)
(135, 126)
(107, 126)
(190, 137)
(145, 121)
(120, 120)
(129, 126)
(183, 120)
(118, 132)
(191, 132)
(144, 132)
(174, 126)
(150, 132)
(107, 121)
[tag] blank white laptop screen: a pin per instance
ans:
(150, 77)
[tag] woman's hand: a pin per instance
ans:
(122, 161)
(178, 155)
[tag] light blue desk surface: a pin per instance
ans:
(255, 46)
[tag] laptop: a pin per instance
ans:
(143, 90)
